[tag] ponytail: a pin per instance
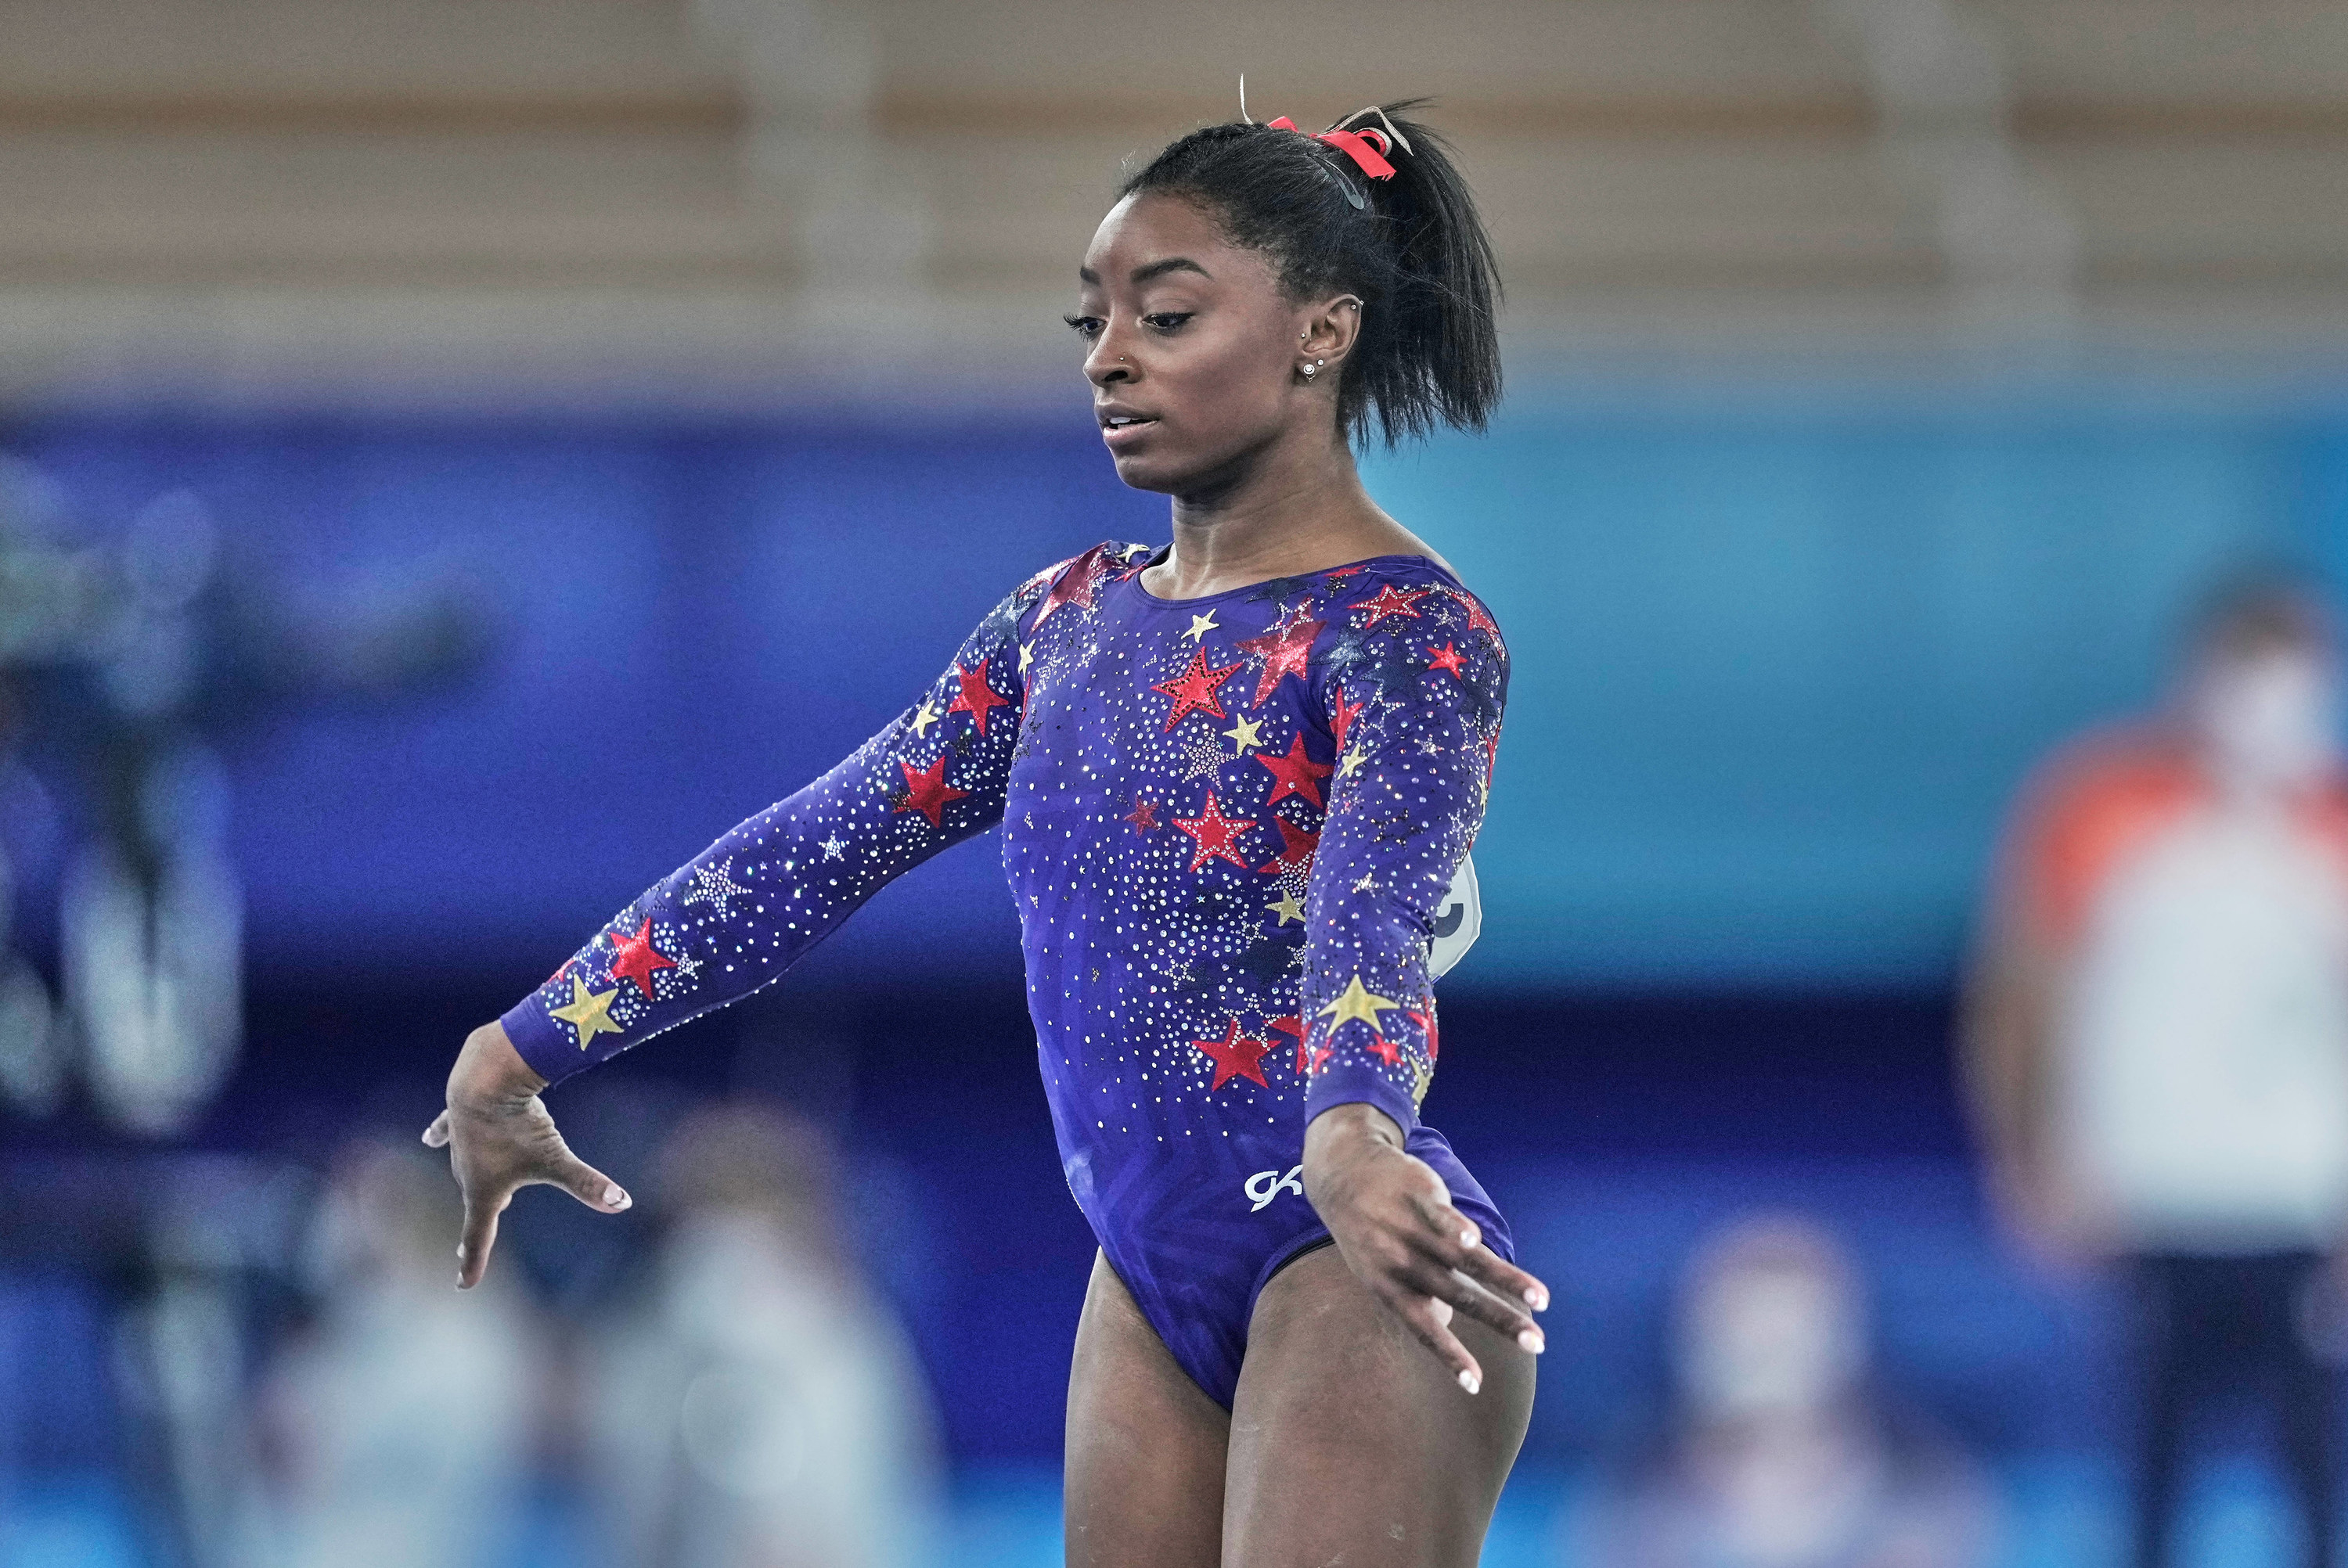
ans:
(1412, 246)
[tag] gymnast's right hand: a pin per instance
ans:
(500, 1138)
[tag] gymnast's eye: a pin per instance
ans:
(1167, 321)
(1085, 327)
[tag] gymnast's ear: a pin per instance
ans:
(1329, 330)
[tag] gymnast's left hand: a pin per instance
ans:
(1397, 1228)
(500, 1138)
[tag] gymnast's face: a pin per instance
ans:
(1194, 348)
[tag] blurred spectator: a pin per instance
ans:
(757, 1408)
(401, 1425)
(1780, 1456)
(2158, 1031)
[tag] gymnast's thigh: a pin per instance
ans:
(1350, 1443)
(1146, 1446)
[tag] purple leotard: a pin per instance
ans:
(1227, 822)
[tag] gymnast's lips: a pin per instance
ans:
(1121, 425)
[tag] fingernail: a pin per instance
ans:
(1469, 1382)
(615, 1199)
(1468, 1237)
(1537, 1300)
(1530, 1341)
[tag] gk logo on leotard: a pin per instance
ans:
(1266, 1185)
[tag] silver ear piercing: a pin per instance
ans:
(1311, 370)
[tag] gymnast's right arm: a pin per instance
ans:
(729, 921)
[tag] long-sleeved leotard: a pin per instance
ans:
(1228, 823)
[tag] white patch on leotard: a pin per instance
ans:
(1459, 920)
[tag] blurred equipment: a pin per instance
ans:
(757, 1408)
(399, 1428)
(2158, 1033)
(1780, 1456)
(122, 663)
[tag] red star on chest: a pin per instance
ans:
(1193, 691)
(1341, 719)
(1235, 1056)
(1445, 658)
(1284, 650)
(1144, 815)
(927, 791)
(635, 959)
(1294, 775)
(1294, 1024)
(1077, 586)
(976, 698)
(1390, 601)
(1296, 848)
(1215, 834)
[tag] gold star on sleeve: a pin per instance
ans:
(1351, 762)
(1356, 1001)
(924, 717)
(1287, 909)
(588, 1011)
(1243, 733)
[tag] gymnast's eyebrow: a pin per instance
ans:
(1144, 273)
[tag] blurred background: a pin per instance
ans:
(456, 459)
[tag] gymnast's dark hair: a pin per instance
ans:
(1412, 246)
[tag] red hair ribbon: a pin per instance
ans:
(1367, 148)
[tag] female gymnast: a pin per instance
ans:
(1235, 776)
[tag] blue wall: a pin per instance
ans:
(1777, 666)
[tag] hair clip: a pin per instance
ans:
(1396, 137)
(1368, 156)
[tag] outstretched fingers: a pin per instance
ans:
(1428, 1318)
(481, 1235)
(1455, 1267)
(588, 1184)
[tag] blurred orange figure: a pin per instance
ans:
(2157, 1030)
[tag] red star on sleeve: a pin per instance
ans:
(1144, 815)
(1234, 1056)
(1389, 600)
(1478, 618)
(1296, 848)
(1193, 691)
(1341, 719)
(1426, 1022)
(927, 791)
(976, 697)
(1077, 586)
(1445, 658)
(1285, 651)
(635, 959)
(1215, 834)
(1294, 775)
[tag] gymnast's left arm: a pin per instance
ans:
(1416, 704)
